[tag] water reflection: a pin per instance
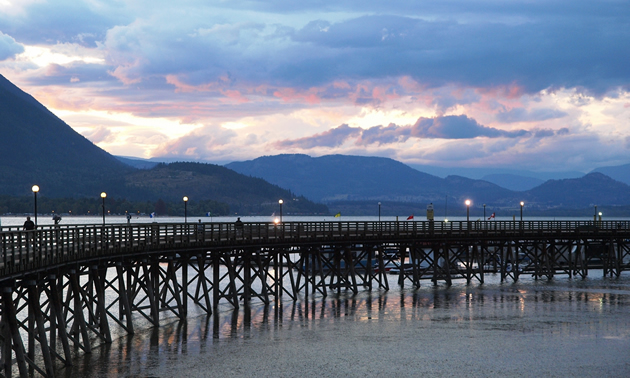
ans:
(589, 310)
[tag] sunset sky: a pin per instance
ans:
(538, 85)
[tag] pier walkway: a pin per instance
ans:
(63, 286)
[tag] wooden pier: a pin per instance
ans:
(65, 287)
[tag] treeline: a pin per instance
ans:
(91, 206)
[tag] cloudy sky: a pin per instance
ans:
(539, 85)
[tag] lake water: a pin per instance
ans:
(564, 327)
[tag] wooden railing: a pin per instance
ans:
(25, 251)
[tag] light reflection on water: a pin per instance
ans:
(563, 326)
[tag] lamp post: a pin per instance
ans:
(379, 211)
(35, 189)
(467, 210)
(185, 210)
(484, 211)
(280, 202)
(103, 196)
(595, 214)
(600, 218)
(522, 204)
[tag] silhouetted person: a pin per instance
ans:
(200, 230)
(29, 225)
(56, 218)
(239, 226)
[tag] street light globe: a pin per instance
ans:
(185, 199)
(600, 213)
(280, 202)
(103, 195)
(35, 188)
(522, 203)
(467, 202)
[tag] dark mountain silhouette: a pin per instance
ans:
(619, 172)
(340, 180)
(513, 182)
(39, 148)
(137, 162)
(356, 178)
(592, 189)
(340, 177)
(201, 181)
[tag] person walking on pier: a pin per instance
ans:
(239, 227)
(29, 225)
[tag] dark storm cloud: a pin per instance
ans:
(533, 44)
(542, 53)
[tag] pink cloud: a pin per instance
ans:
(293, 95)
(235, 95)
(180, 86)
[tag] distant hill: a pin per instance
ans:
(351, 183)
(619, 173)
(479, 173)
(357, 178)
(592, 189)
(513, 182)
(137, 163)
(199, 181)
(340, 177)
(36, 147)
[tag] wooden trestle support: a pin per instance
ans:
(49, 316)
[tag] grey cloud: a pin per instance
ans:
(524, 115)
(199, 143)
(446, 127)
(331, 138)
(458, 127)
(543, 133)
(65, 21)
(563, 131)
(8, 47)
(534, 44)
(384, 135)
(86, 74)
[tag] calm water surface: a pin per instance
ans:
(564, 327)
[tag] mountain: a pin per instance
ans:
(619, 173)
(591, 189)
(481, 172)
(355, 184)
(199, 182)
(513, 182)
(137, 162)
(339, 177)
(358, 178)
(39, 148)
